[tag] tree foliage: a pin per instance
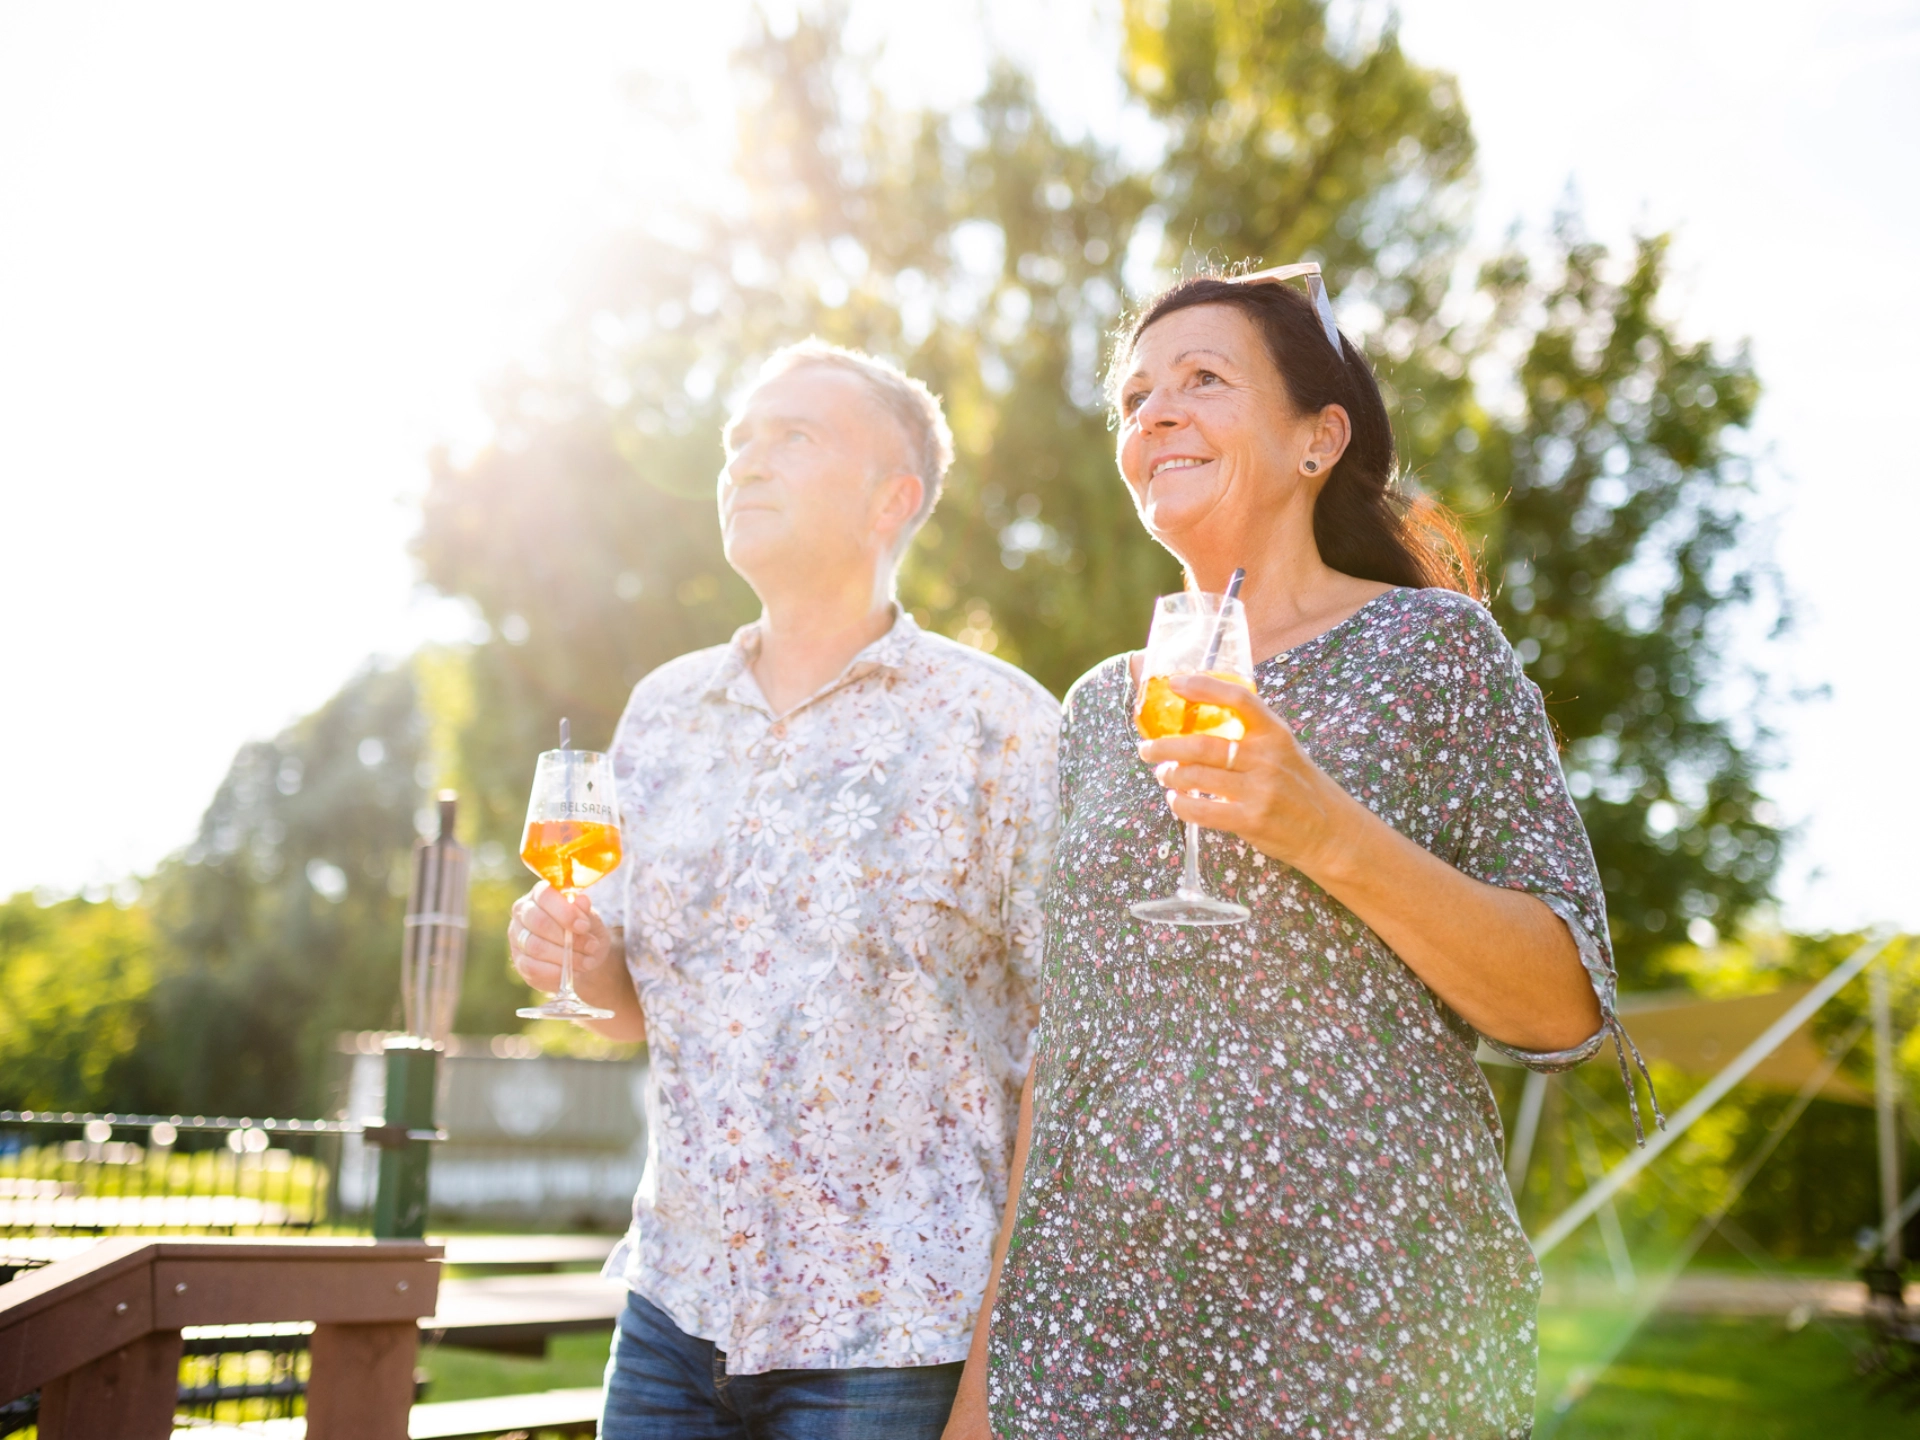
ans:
(989, 252)
(1620, 547)
(282, 919)
(983, 248)
(75, 982)
(223, 988)
(1593, 451)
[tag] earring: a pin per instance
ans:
(1311, 466)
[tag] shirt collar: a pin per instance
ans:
(732, 678)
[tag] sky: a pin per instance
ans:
(255, 262)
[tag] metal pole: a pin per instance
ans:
(1886, 1102)
(1909, 1207)
(1652, 1294)
(400, 1203)
(1710, 1095)
(432, 956)
(1526, 1125)
(1619, 1257)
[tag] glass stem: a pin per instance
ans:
(566, 958)
(1190, 865)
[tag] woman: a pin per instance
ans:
(1259, 1183)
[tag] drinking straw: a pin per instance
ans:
(1219, 620)
(564, 733)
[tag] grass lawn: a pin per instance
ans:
(572, 1361)
(1681, 1378)
(1714, 1378)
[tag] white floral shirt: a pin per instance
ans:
(833, 922)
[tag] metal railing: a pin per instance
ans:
(237, 1373)
(66, 1178)
(73, 1174)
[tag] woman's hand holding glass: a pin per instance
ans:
(1262, 787)
(1193, 633)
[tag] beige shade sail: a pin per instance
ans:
(1700, 1036)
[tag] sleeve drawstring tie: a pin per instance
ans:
(1622, 1039)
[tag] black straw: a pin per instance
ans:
(1234, 582)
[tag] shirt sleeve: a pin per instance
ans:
(610, 895)
(1520, 828)
(1026, 824)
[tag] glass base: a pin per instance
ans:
(564, 1007)
(1191, 908)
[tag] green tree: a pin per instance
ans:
(75, 983)
(989, 252)
(224, 987)
(1286, 141)
(983, 249)
(1624, 562)
(282, 919)
(1607, 500)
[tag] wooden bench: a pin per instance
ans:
(524, 1296)
(566, 1412)
(570, 1412)
(518, 1314)
(98, 1335)
(525, 1252)
(529, 1290)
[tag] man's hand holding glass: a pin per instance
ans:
(536, 943)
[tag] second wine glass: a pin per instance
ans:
(1192, 634)
(572, 840)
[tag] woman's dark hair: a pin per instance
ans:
(1363, 524)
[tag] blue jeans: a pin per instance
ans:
(663, 1384)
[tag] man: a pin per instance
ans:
(827, 930)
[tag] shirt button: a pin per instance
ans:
(778, 731)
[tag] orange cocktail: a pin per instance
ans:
(570, 854)
(1161, 713)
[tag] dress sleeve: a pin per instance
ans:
(1515, 824)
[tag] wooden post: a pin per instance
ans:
(98, 1335)
(127, 1394)
(361, 1383)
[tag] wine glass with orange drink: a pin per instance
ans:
(571, 841)
(1193, 634)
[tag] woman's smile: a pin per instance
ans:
(1177, 462)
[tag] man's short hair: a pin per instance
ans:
(910, 404)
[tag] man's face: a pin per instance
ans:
(810, 462)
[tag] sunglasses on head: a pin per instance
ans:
(1316, 292)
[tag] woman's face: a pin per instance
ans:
(1210, 442)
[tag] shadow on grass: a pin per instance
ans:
(1681, 1378)
(1718, 1378)
(572, 1361)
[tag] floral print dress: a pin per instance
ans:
(1264, 1194)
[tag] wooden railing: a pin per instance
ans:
(99, 1335)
